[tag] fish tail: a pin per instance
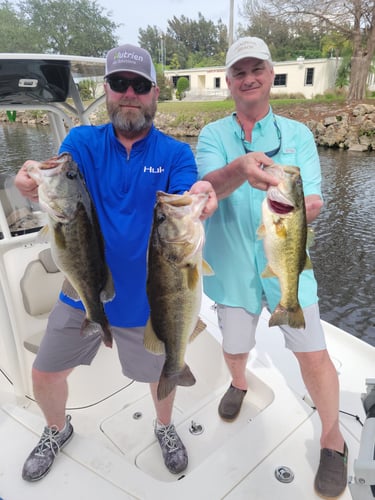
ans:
(107, 335)
(287, 316)
(108, 293)
(93, 328)
(167, 383)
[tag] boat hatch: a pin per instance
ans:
(30, 81)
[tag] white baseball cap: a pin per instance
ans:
(247, 47)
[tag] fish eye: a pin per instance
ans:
(160, 218)
(71, 174)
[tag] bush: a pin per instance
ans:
(182, 85)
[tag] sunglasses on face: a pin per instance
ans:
(140, 86)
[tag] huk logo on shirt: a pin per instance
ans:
(153, 170)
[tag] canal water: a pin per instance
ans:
(343, 254)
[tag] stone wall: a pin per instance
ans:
(352, 127)
(354, 130)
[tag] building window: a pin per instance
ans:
(217, 83)
(280, 80)
(309, 76)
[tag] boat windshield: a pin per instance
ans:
(49, 83)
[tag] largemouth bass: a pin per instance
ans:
(77, 243)
(174, 284)
(285, 234)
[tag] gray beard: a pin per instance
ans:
(130, 123)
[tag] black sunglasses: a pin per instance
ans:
(140, 86)
(268, 153)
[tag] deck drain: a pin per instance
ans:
(137, 415)
(284, 474)
(195, 428)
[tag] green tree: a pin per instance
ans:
(174, 63)
(343, 72)
(186, 43)
(149, 39)
(353, 19)
(161, 46)
(14, 33)
(287, 40)
(164, 86)
(76, 27)
(87, 89)
(201, 40)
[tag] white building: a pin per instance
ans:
(309, 77)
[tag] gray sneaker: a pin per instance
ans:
(174, 452)
(40, 460)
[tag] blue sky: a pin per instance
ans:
(142, 13)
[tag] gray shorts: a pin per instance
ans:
(63, 347)
(238, 330)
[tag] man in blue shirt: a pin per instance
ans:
(230, 154)
(124, 163)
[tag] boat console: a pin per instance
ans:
(362, 484)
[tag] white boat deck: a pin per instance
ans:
(114, 452)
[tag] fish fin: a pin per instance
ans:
(93, 328)
(151, 342)
(44, 235)
(268, 273)
(207, 269)
(280, 229)
(283, 316)
(108, 292)
(69, 290)
(59, 236)
(308, 263)
(199, 328)
(167, 383)
(192, 277)
(310, 237)
(261, 231)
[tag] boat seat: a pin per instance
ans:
(40, 288)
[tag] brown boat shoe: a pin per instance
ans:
(231, 402)
(331, 478)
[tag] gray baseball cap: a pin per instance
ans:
(130, 58)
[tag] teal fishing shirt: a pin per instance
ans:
(233, 248)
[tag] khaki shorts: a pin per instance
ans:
(63, 347)
(238, 330)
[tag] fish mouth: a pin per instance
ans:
(48, 168)
(280, 208)
(278, 202)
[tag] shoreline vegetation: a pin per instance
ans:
(334, 123)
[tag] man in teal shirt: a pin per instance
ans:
(230, 154)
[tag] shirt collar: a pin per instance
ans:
(261, 125)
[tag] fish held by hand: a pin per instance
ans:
(286, 237)
(77, 243)
(174, 284)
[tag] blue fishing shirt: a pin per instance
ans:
(233, 248)
(123, 189)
